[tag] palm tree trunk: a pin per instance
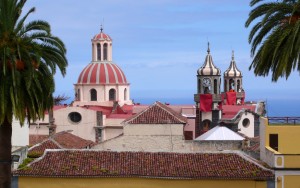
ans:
(5, 154)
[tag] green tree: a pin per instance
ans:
(29, 58)
(275, 37)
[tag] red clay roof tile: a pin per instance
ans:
(61, 140)
(91, 163)
(39, 149)
(157, 113)
(35, 139)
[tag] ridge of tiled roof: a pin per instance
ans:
(69, 141)
(61, 140)
(157, 113)
(93, 163)
(39, 148)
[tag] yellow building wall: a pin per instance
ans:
(27, 182)
(288, 137)
(291, 181)
(291, 161)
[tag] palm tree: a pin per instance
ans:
(29, 57)
(276, 35)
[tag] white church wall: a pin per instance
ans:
(86, 96)
(206, 115)
(20, 134)
(156, 143)
(84, 128)
(247, 128)
(40, 127)
(112, 128)
(121, 96)
(109, 133)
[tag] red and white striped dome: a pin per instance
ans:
(102, 36)
(102, 73)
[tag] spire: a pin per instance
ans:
(208, 68)
(232, 70)
(208, 50)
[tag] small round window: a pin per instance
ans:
(246, 122)
(75, 117)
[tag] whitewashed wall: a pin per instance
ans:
(153, 129)
(84, 129)
(248, 131)
(20, 135)
(165, 144)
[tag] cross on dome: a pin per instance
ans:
(208, 49)
(101, 28)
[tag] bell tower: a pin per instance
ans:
(233, 84)
(233, 77)
(208, 96)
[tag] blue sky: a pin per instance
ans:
(160, 44)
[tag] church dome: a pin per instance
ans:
(102, 72)
(208, 68)
(102, 36)
(233, 71)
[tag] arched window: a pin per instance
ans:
(78, 95)
(98, 52)
(238, 85)
(125, 94)
(93, 93)
(215, 86)
(206, 125)
(105, 51)
(199, 86)
(231, 84)
(220, 85)
(112, 94)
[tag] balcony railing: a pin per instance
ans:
(284, 120)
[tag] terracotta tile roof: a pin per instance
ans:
(91, 163)
(128, 108)
(69, 141)
(157, 113)
(119, 116)
(61, 140)
(229, 111)
(39, 149)
(34, 139)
